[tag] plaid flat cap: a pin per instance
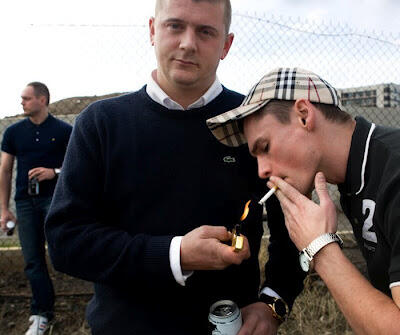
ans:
(280, 84)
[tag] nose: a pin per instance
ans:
(188, 40)
(264, 167)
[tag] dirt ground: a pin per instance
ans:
(72, 296)
(314, 312)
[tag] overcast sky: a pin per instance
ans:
(17, 67)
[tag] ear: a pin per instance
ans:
(42, 99)
(227, 45)
(152, 29)
(305, 113)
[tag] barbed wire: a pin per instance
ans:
(317, 33)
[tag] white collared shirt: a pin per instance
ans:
(158, 95)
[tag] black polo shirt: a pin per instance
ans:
(370, 198)
(34, 146)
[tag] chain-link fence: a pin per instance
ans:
(115, 59)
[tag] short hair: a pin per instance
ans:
(281, 110)
(227, 13)
(40, 89)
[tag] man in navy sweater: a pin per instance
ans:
(38, 143)
(148, 196)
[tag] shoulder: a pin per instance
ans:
(116, 104)
(104, 113)
(123, 100)
(385, 145)
(233, 96)
(62, 123)
(16, 127)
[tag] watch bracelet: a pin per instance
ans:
(321, 241)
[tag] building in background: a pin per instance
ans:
(381, 96)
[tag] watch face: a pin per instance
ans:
(280, 308)
(304, 262)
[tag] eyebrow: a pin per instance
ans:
(201, 26)
(256, 146)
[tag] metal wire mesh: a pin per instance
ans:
(118, 58)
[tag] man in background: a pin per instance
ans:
(38, 143)
(148, 196)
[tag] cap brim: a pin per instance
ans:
(225, 127)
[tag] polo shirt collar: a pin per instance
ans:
(45, 121)
(158, 95)
(358, 157)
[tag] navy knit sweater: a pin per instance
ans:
(135, 175)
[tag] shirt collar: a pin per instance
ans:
(44, 122)
(158, 95)
(358, 156)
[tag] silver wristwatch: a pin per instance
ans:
(308, 253)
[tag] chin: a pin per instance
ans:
(184, 79)
(303, 189)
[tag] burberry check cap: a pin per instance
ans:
(280, 84)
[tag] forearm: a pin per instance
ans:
(367, 310)
(5, 189)
(87, 249)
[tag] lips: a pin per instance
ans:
(185, 62)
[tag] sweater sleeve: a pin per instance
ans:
(86, 244)
(282, 272)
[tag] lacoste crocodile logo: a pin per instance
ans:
(229, 159)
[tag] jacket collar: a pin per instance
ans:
(358, 157)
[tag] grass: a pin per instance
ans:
(9, 242)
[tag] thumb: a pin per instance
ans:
(321, 188)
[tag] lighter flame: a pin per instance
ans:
(246, 211)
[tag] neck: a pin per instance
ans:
(336, 148)
(39, 117)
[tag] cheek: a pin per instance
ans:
(296, 160)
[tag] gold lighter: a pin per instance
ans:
(238, 238)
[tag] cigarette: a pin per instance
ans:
(268, 195)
